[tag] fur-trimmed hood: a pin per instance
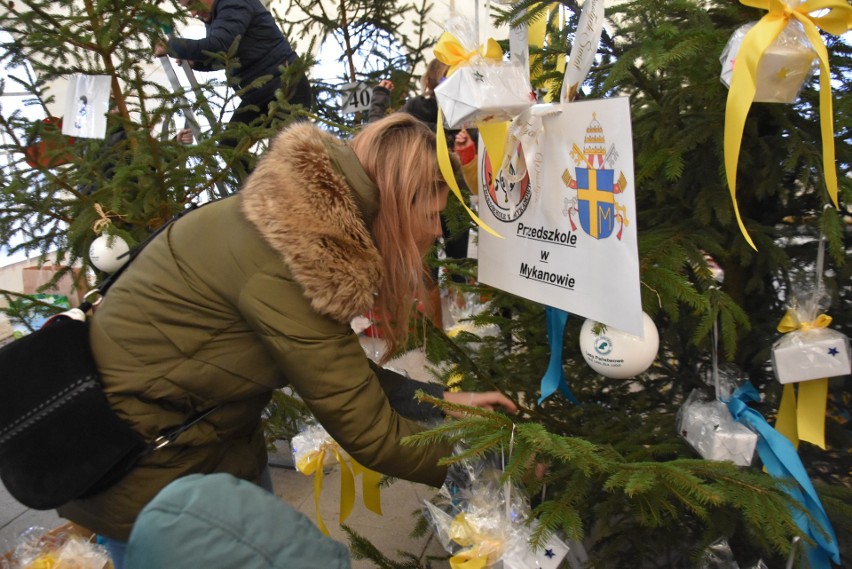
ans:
(313, 203)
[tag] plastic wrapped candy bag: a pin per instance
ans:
(480, 87)
(809, 349)
(38, 548)
(312, 440)
(707, 425)
(463, 308)
(718, 555)
(313, 451)
(482, 522)
(785, 66)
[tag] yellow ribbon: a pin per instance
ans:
(449, 50)
(803, 419)
(370, 486)
(837, 21)
(312, 463)
(449, 176)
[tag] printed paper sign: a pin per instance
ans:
(570, 223)
(86, 106)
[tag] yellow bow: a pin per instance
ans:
(480, 547)
(791, 322)
(803, 419)
(449, 50)
(312, 463)
(837, 21)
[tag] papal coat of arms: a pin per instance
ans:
(595, 204)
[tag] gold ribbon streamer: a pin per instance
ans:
(449, 176)
(313, 464)
(803, 419)
(449, 50)
(370, 490)
(741, 93)
(536, 34)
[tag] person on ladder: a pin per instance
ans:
(262, 50)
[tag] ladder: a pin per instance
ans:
(186, 108)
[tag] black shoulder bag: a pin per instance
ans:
(59, 437)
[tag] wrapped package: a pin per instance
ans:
(707, 425)
(310, 441)
(483, 93)
(483, 522)
(38, 548)
(785, 66)
(314, 450)
(808, 349)
(480, 87)
(803, 355)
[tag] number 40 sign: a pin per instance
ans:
(355, 97)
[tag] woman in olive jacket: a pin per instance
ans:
(255, 292)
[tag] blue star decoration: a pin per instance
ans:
(549, 553)
(832, 351)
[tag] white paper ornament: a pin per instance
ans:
(104, 253)
(617, 354)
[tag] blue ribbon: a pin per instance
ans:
(554, 377)
(781, 460)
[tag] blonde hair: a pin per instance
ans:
(398, 154)
(435, 71)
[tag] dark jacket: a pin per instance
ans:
(262, 48)
(220, 521)
(244, 296)
(424, 109)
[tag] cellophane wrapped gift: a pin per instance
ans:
(463, 310)
(312, 438)
(811, 350)
(813, 354)
(38, 548)
(707, 425)
(482, 90)
(785, 66)
(718, 555)
(483, 93)
(486, 523)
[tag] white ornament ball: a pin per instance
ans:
(616, 354)
(104, 253)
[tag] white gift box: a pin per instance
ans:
(484, 93)
(711, 430)
(548, 556)
(813, 354)
(781, 72)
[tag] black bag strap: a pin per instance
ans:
(170, 437)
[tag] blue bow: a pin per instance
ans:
(781, 460)
(554, 377)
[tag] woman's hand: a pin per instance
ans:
(490, 400)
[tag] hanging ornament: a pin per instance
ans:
(107, 252)
(104, 253)
(617, 354)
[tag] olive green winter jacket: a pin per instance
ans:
(246, 295)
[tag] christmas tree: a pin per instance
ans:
(620, 477)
